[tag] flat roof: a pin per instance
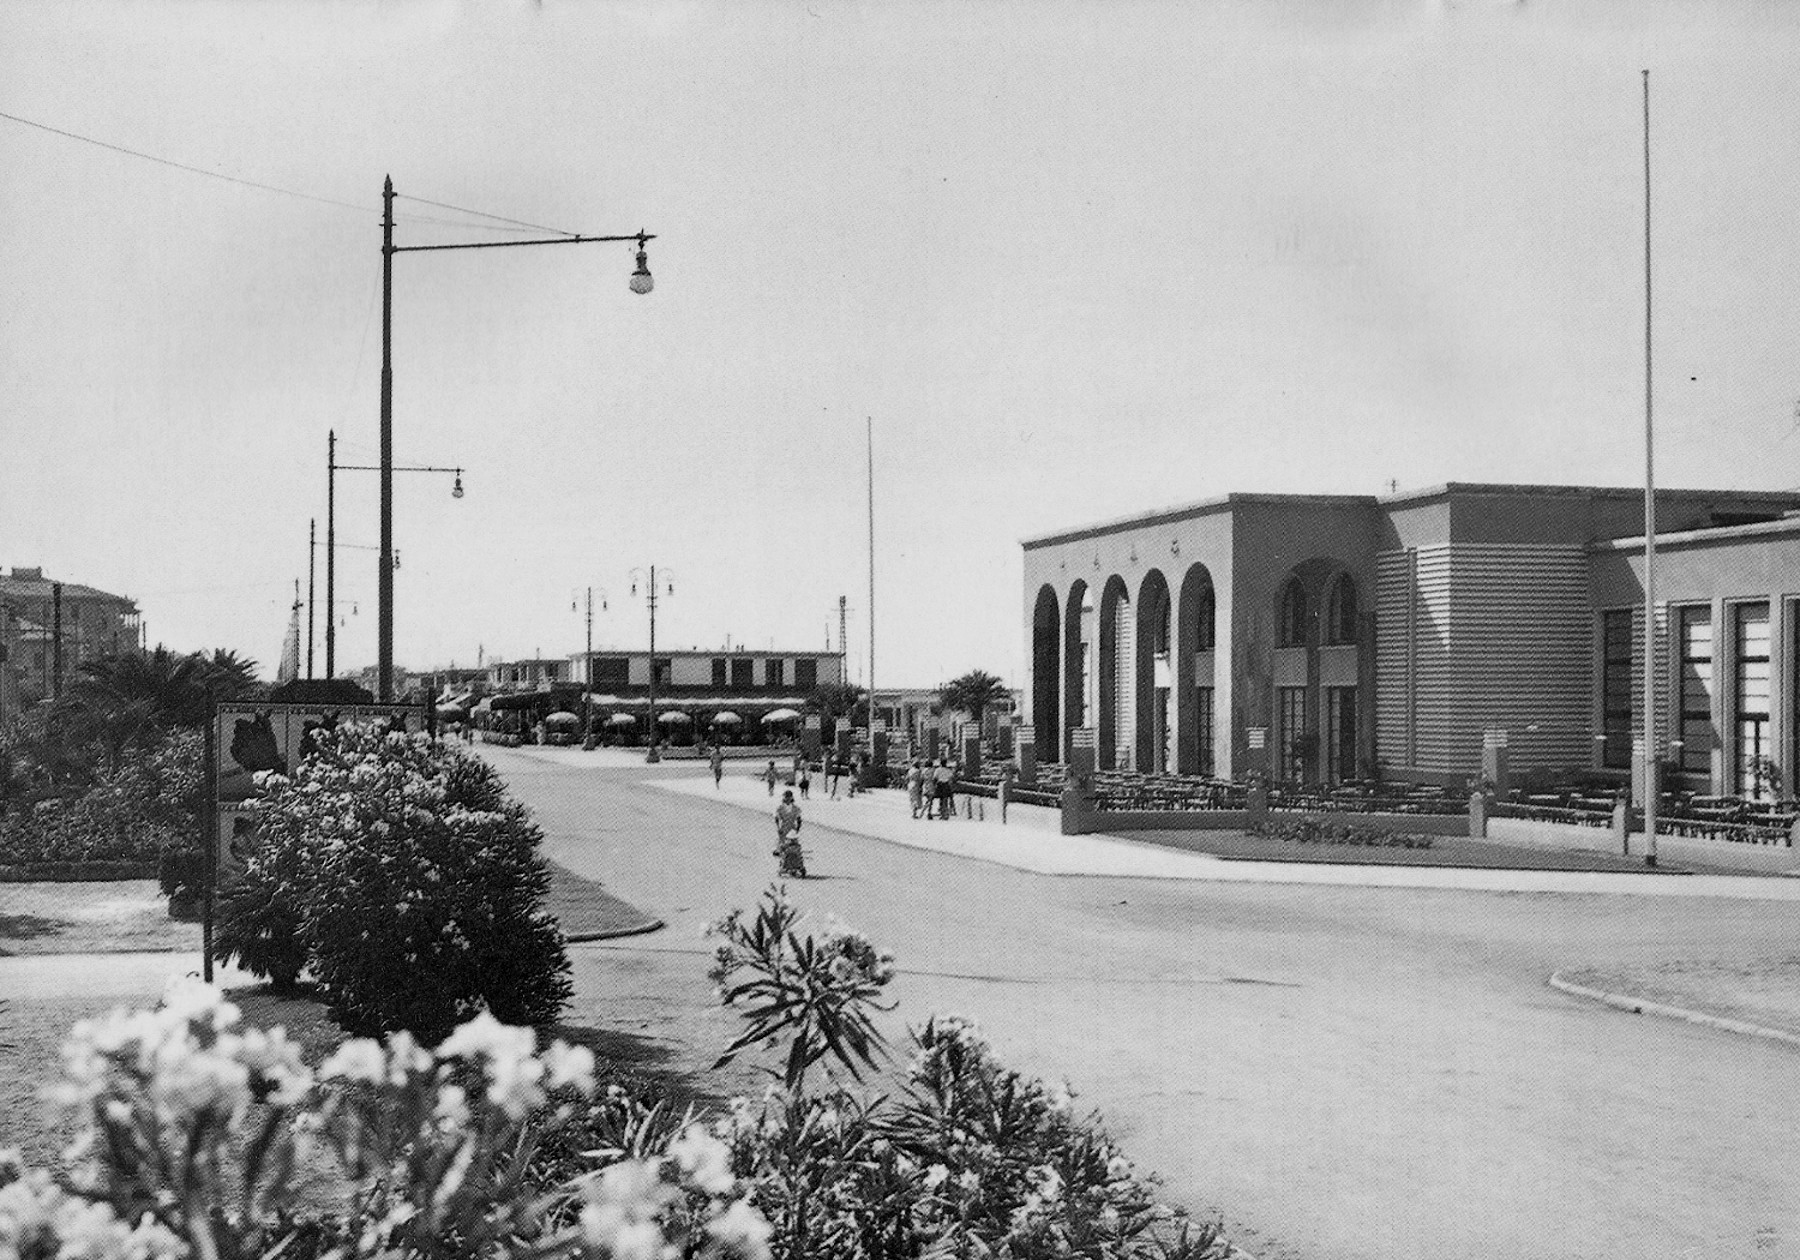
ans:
(1695, 537)
(1444, 490)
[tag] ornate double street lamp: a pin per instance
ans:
(641, 282)
(652, 595)
(390, 559)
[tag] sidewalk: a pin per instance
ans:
(1031, 841)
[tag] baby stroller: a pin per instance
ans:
(793, 858)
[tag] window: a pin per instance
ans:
(1340, 734)
(1293, 614)
(1203, 730)
(1294, 744)
(718, 671)
(742, 672)
(1204, 614)
(665, 671)
(1695, 684)
(1751, 698)
(806, 674)
(1615, 689)
(1340, 615)
(773, 673)
(611, 671)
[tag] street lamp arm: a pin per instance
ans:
(397, 468)
(639, 237)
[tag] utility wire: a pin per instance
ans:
(286, 192)
(182, 166)
(535, 227)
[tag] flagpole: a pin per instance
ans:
(1651, 786)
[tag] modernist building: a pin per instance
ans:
(47, 625)
(1324, 638)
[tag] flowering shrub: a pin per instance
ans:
(972, 1159)
(146, 804)
(189, 1131)
(408, 882)
(816, 991)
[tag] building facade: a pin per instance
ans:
(47, 626)
(1325, 638)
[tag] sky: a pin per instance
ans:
(1064, 261)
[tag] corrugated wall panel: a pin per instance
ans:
(1473, 636)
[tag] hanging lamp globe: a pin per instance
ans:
(641, 280)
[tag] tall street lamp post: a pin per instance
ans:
(587, 689)
(640, 283)
(389, 561)
(651, 596)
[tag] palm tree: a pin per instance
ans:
(839, 700)
(973, 692)
(163, 689)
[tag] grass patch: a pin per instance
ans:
(100, 917)
(1446, 851)
(588, 912)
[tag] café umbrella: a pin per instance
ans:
(727, 718)
(781, 715)
(674, 716)
(621, 719)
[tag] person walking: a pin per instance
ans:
(944, 780)
(805, 779)
(769, 776)
(856, 772)
(832, 770)
(1008, 773)
(915, 787)
(787, 837)
(718, 765)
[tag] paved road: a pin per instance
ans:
(1341, 1071)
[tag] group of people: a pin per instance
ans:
(928, 785)
(800, 774)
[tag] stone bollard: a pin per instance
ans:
(1478, 807)
(1256, 804)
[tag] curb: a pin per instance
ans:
(613, 934)
(1638, 1006)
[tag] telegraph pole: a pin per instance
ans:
(1651, 787)
(312, 552)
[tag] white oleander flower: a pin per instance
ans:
(704, 1160)
(565, 1064)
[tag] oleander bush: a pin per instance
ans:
(407, 882)
(1332, 831)
(147, 803)
(190, 1132)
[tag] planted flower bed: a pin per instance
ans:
(1336, 832)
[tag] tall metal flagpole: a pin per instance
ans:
(871, 445)
(312, 553)
(1651, 786)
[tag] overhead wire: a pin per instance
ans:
(517, 225)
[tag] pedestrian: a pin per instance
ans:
(769, 776)
(794, 774)
(718, 765)
(787, 837)
(832, 771)
(945, 778)
(915, 787)
(805, 779)
(1008, 772)
(856, 771)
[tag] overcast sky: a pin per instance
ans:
(1075, 260)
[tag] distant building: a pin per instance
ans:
(1332, 637)
(911, 711)
(768, 679)
(46, 625)
(535, 674)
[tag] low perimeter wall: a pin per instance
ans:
(1080, 819)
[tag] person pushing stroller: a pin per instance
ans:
(787, 838)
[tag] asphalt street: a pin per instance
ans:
(1340, 1071)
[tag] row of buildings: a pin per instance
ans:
(1336, 637)
(49, 628)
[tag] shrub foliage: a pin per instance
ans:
(406, 880)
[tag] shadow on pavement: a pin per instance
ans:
(20, 927)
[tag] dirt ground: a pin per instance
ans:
(114, 916)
